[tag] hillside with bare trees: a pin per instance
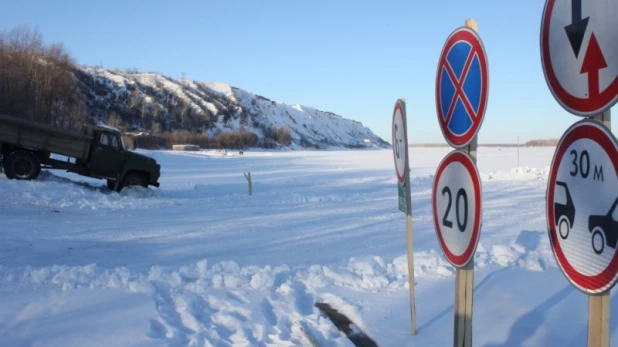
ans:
(42, 82)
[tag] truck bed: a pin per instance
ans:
(37, 136)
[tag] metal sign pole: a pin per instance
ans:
(409, 238)
(598, 305)
(464, 277)
(410, 244)
(464, 289)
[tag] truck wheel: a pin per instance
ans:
(22, 165)
(111, 184)
(134, 179)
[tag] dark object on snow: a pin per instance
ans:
(345, 325)
(99, 152)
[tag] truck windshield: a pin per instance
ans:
(111, 140)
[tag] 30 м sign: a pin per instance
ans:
(582, 206)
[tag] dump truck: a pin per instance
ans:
(93, 151)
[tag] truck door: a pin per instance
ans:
(107, 155)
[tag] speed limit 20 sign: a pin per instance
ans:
(456, 203)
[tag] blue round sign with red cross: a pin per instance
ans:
(462, 85)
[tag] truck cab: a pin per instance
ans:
(110, 159)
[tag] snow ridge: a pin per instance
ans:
(228, 304)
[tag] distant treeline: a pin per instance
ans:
(542, 143)
(531, 143)
(238, 139)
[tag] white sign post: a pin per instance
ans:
(402, 169)
(580, 62)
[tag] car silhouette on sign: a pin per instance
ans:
(604, 229)
(564, 213)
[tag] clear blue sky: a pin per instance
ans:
(354, 58)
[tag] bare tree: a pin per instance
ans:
(155, 129)
(183, 113)
(113, 120)
(36, 80)
(143, 112)
(134, 99)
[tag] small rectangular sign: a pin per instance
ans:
(401, 188)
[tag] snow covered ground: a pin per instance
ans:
(198, 262)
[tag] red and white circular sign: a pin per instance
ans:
(462, 87)
(582, 206)
(400, 141)
(456, 203)
(579, 54)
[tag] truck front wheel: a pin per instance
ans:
(22, 165)
(134, 179)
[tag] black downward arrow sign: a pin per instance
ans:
(577, 29)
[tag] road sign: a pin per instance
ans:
(400, 141)
(456, 202)
(581, 206)
(579, 54)
(462, 85)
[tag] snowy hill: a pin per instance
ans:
(146, 100)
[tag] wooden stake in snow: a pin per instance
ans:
(248, 177)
